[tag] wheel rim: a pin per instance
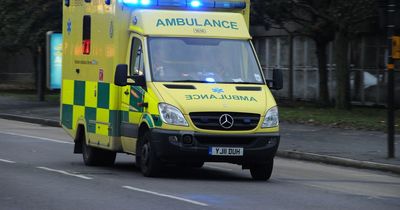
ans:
(145, 155)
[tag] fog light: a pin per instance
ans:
(173, 139)
(187, 139)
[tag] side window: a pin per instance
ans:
(86, 34)
(137, 60)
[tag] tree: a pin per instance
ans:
(323, 21)
(24, 23)
(287, 15)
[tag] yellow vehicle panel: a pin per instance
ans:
(189, 24)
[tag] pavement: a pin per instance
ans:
(353, 148)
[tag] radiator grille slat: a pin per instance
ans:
(210, 120)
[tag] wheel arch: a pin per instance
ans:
(142, 129)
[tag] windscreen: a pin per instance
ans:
(203, 60)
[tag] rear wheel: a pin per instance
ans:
(150, 165)
(262, 172)
(97, 157)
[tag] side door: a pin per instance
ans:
(132, 97)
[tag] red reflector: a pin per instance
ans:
(86, 47)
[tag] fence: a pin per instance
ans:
(17, 70)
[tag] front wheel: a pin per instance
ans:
(150, 165)
(262, 172)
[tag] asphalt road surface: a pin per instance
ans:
(39, 171)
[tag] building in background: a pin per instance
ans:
(367, 66)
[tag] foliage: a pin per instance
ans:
(24, 23)
(323, 21)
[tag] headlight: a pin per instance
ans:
(171, 115)
(271, 118)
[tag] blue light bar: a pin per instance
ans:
(230, 5)
(146, 2)
(172, 3)
(130, 2)
(139, 3)
(194, 4)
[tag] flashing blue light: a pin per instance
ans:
(146, 2)
(195, 3)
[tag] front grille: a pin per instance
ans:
(225, 140)
(210, 120)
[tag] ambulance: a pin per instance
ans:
(173, 82)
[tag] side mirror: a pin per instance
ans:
(277, 80)
(121, 75)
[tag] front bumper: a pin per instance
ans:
(174, 146)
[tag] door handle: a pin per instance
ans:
(126, 92)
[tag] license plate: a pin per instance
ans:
(225, 151)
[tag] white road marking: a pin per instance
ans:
(165, 195)
(65, 173)
(6, 161)
(36, 137)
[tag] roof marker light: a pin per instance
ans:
(195, 3)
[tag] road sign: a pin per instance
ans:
(396, 47)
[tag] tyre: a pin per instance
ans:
(262, 172)
(191, 165)
(150, 165)
(97, 157)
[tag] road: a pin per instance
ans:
(39, 171)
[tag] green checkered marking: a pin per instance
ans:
(90, 115)
(66, 116)
(157, 120)
(125, 116)
(133, 101)
(115, 122)
(79, 93)
(103, 99)
(149, 120)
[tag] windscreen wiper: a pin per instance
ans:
(189, 80)
(242, 83)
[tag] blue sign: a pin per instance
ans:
(55, 65)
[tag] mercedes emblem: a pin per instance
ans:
(226, 121)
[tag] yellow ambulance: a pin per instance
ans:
(173, 82)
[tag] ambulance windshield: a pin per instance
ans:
(203, 60)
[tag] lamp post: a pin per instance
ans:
(391, 15)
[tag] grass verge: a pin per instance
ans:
(363, 118)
